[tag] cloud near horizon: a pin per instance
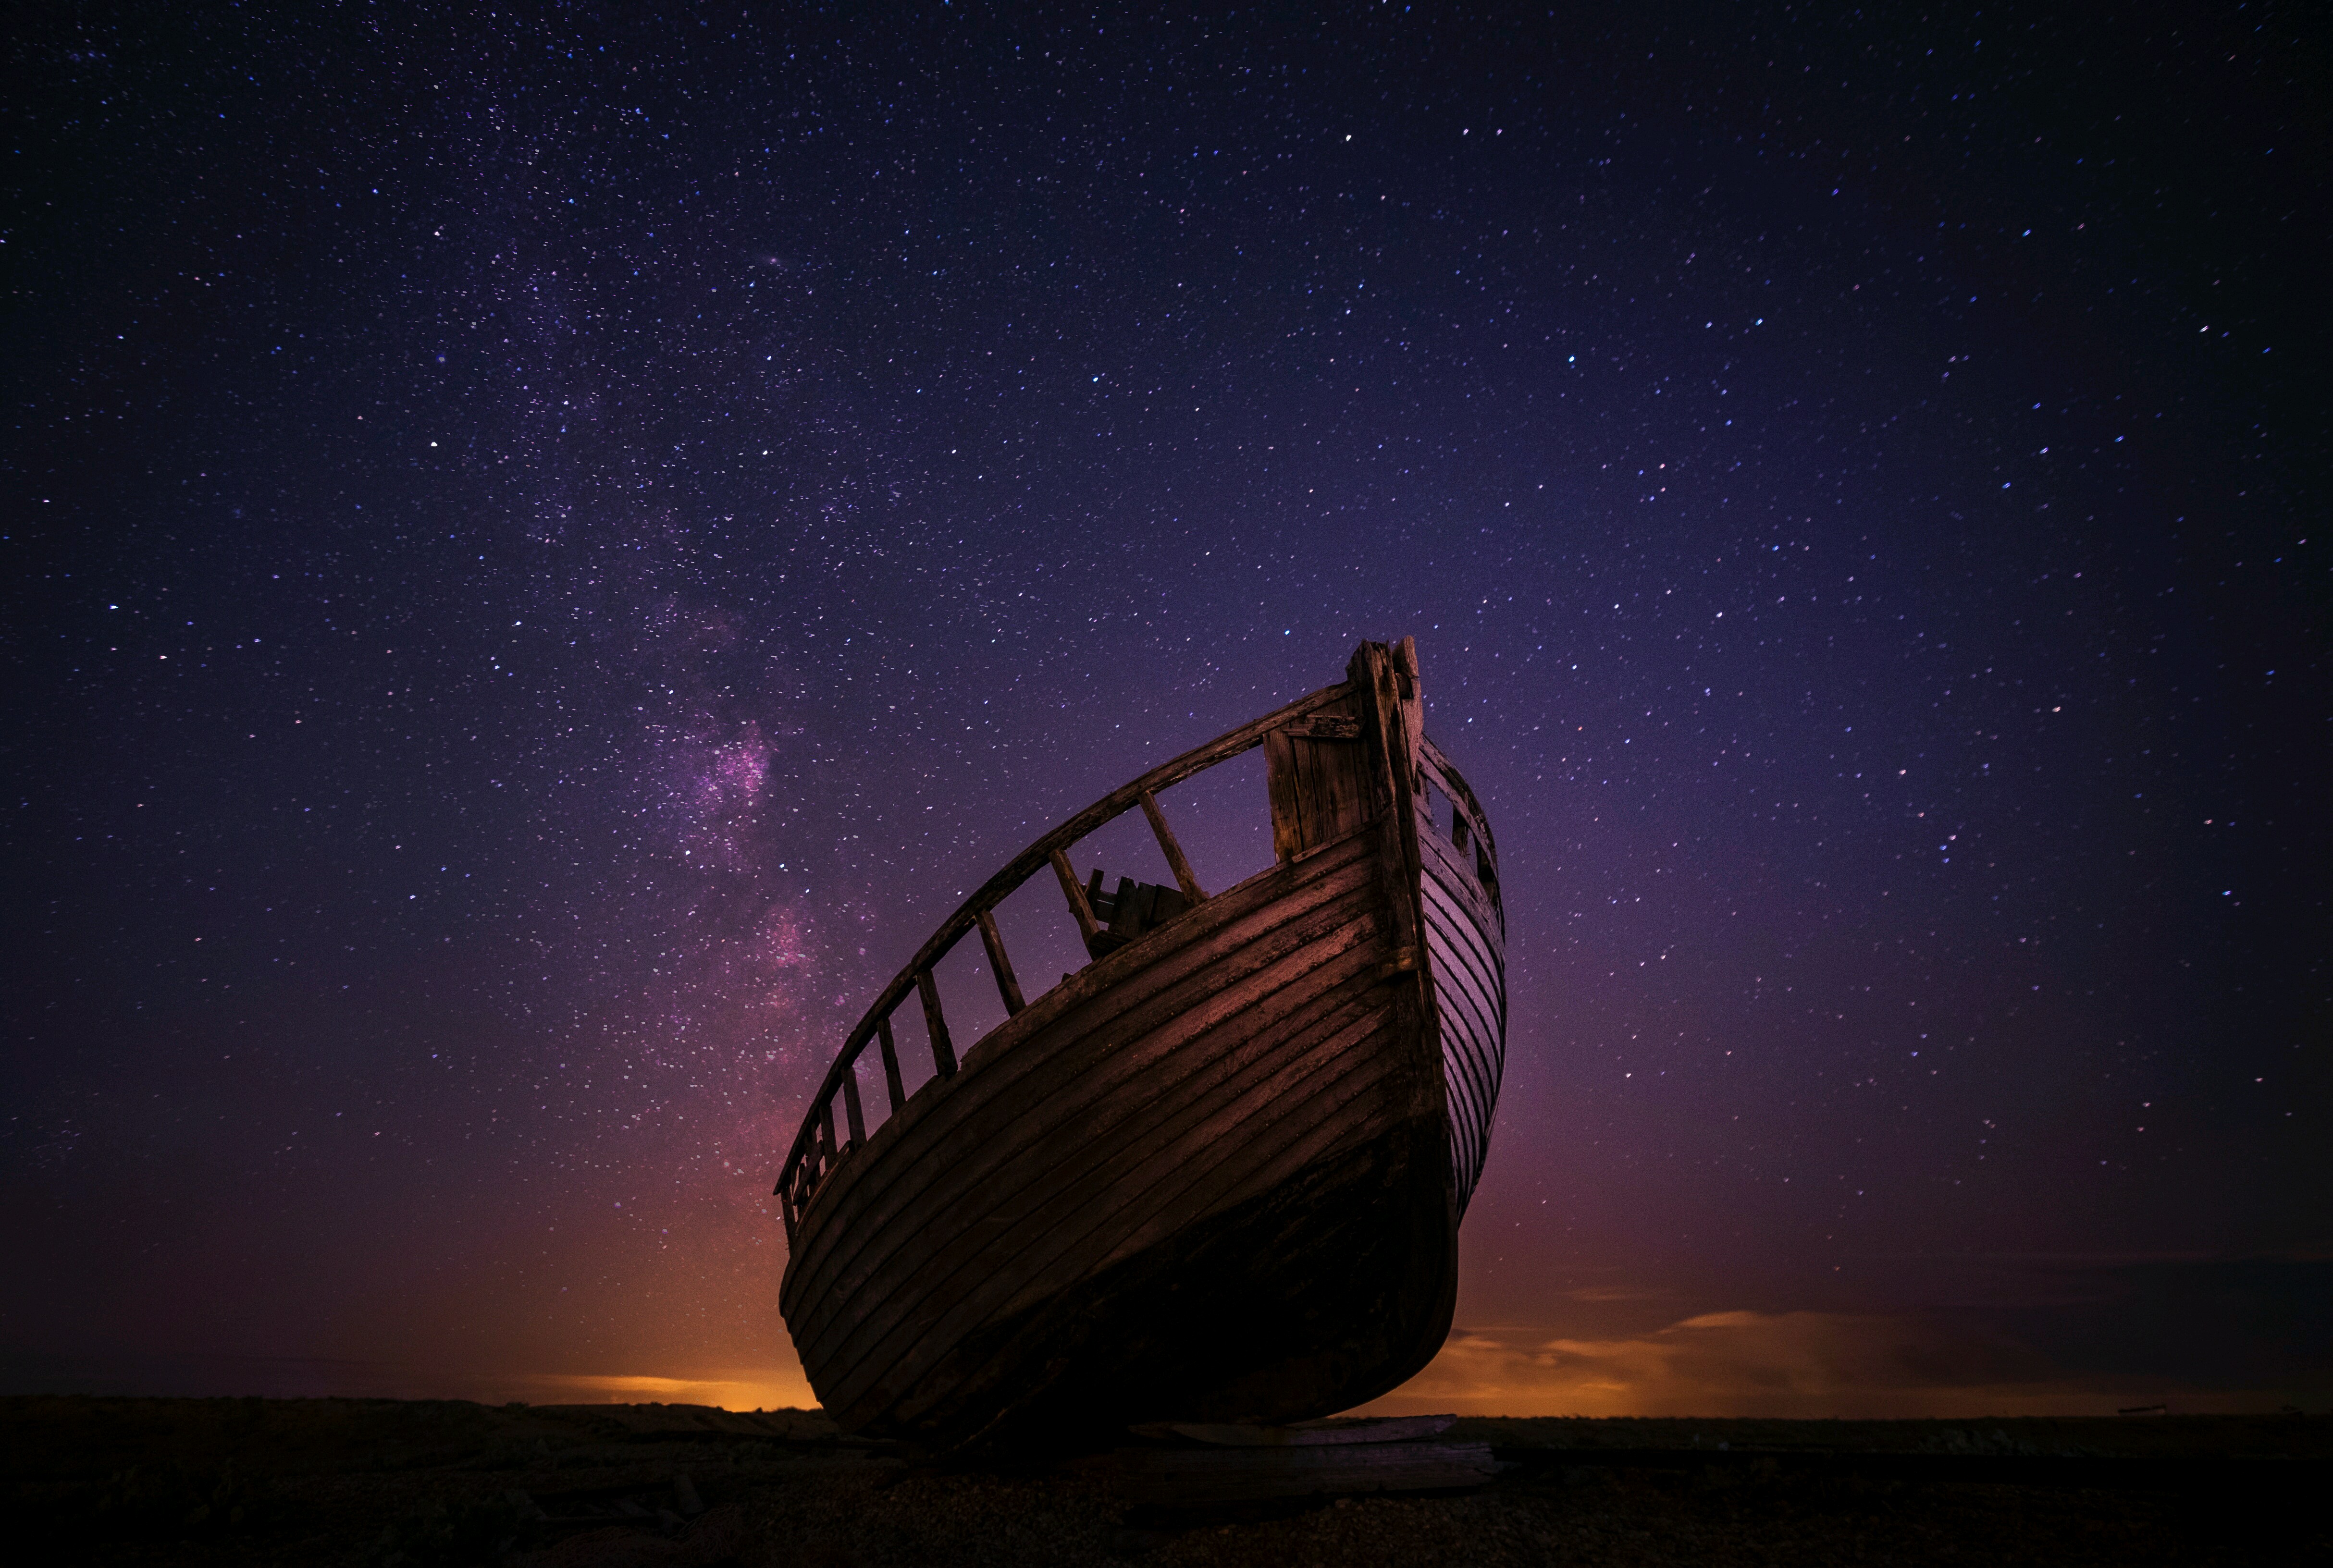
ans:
(1801, 1364)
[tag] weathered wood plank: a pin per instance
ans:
(1326, 727)
(1469, 992)
(1078, 1229)
(1280, 784)
(1458, 879)
(1008, 985)
(1458, 976)
(1333, 786)
(986, 1177)
(891, 1065)
(1126, 1089)
(1260, 921)
(1177, 861)
(1056, 1229)
(1469, 1043)
(999, 1370)
(1316, 770)
(1074, 890)
(1098, 1176)
(1115, 1070)
(990, 1128)
(1474, 937)
(1163, 1195)
(1470, 1049)
(1462, 923)
(1465, 1074)
(1112, 1032)
(1388, 698)
(943, 1048)
(858, 1119)
(1119, 1145)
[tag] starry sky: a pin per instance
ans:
(547, 546)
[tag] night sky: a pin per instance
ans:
(546, 547)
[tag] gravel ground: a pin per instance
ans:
(379, 1484)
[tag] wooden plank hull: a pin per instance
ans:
(1466, 946)
(1216, 1176)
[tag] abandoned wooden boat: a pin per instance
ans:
(1216, 1175)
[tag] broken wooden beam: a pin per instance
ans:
(1183, 876)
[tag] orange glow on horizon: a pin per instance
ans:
(762, 1389)
(1803, 1365)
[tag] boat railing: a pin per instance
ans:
(821, 1145)
(1469, 827)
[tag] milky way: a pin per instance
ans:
(547, 552)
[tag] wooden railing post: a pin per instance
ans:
(890, 1064)
(1184, 877)
(1007, 986)
(943, 1048)
(858, 1120)
(1088, 926)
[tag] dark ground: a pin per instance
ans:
(384, 1482)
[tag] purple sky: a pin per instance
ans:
(546, 549)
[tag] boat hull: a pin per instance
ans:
(1214, 1176)
(1212, 1117)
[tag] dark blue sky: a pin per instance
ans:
(547, 547)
